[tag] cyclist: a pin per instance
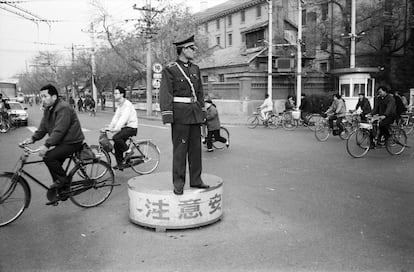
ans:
(305, 108)
(124, 124)
(266, 108)
(213, 125)
(386, 108)
(4, 106)
(365, 106)
(338, 110)
(62, 125)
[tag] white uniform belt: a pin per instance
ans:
(184, 99)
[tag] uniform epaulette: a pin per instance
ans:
(171, 64)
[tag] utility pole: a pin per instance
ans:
(299, 56)
(93, 64)
(353, 34)
(270, 53)
(148, 31)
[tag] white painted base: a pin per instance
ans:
(152, 202)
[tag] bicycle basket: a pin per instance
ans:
(86, 153)
(104, 142)
(296, 114)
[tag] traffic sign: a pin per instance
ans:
(156, 83)
(157, 67)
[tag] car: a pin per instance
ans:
(18, 112)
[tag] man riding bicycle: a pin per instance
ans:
(338, 110)
(266, 108)
(124, 124)
(385, 107)
(62, 125)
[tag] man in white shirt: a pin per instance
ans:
(124, 124)
(266, 107)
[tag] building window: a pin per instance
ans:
(258, 11)
(323, 66)
(387, 35)
(206, 27)
(242, 16)
(388, 6)
(324, 43)
(255, 39)
(229, 20)
(205, 79)
(218, 23)
(218, 40)
(230, 39)
(221, 77)
(304, 17)
(324, 11)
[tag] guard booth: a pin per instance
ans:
(352, 81)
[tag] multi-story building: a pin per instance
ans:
(237, 34)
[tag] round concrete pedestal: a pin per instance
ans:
(153, 204)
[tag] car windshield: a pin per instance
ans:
(15, 106)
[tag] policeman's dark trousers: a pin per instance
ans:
(216, 135)
(119, 142)
(186, 145)
(56, 157)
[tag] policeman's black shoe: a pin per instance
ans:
(200, 186)
(178, 192)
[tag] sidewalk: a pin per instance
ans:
(225, 119)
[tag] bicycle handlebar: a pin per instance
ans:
(28, 149)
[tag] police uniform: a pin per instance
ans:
(182, 105)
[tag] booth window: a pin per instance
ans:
(345, 90)
(358, 88)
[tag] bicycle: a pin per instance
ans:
(224, 132)
(273, 120)
(144, 160)
(322, 130)
(291, 120)
(406, 122)
(359, 141)
(91, 183)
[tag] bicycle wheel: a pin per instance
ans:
(409, 127)
(146, 157)
(288, 123)
(14, 198)
(252, 121)
(91, 183)
(226, 135)
(358, 143)
(273, 122)
(396, 142)
(313, 120)
(322, 131)
(101, 154)
(4, 126)
(347, 131)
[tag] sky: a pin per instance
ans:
(21, 39)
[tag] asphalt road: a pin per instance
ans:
(290, 204)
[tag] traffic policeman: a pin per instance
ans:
(182, 105)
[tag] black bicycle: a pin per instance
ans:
(91, 183)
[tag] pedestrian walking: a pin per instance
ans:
(182, 104)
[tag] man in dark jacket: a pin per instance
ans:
(365, 106)
(305, 108)
(62, 125)
(386, 108)
(182, 105)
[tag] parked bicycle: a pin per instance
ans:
(359, 141)
(145, 154)
(224, 132)
(273, 120)
(292, 119)
(91, 183)
(322, 130)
